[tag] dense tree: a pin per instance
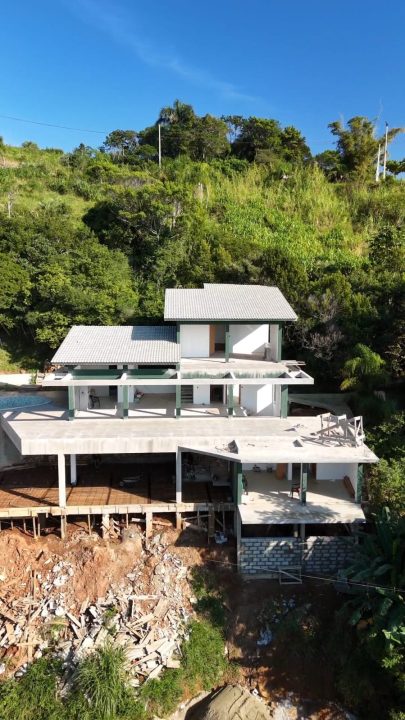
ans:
(357, 146)
(121, 143)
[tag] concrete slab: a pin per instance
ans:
(268, 502)
(47, 431)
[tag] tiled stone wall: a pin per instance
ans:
(318, 555)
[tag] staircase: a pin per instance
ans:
(186, 394)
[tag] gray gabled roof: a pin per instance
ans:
(118, 344)
(227, 302)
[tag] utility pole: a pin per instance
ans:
(377, 169)
(160, 146)
(385, 151)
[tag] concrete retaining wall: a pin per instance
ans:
(317, 555)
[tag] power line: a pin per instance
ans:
(323, 578)
(61, 127)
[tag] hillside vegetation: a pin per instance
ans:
(95, 236)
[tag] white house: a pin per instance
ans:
(206, 396)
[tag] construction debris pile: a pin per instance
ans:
(134, 593)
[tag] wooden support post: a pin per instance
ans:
(227, 342)
(89, 523)
(62, 480)
(284, 401)
(178, 521)
(302, 532)
(148, 523)
(178, 401)
(279, 343)
(230, 399)
(125, 404)
(34, 527)
(105, 525)
(303, 483)
(359, 484)
(63, 526)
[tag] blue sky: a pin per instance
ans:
(107, 64)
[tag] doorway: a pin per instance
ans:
(217, 393)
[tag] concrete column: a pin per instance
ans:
(303, 483)
(238, 533)
(178, 400)
(62, 480)
(280, 343)
(71, 402)
(239, 483)
(178, 477)
(359, 484)
(73, 470)
(289, 472)
(125, 410)
(284, 401)
(229, 389)
(227, 342)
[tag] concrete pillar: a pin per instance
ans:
(238, 532)
(280, 343)
(73, 470)
(302, 532)
(125, 405)
(284, 401)
(359, 484)
(229, 389)
(178, 477)
(178, 400)
(228, 348)
(71, 402)
(62, 480)
(239, 483)
(303, 483)
(289, 472)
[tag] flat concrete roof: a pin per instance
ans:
(47, 431)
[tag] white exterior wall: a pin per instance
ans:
(247, 339)
(201, 394)
(337, 471)
(277, 401)
(248, 398)
(82, 398)
(195, 340)
(265, 400)
(274, 342)
(257, 399)
(156, 389)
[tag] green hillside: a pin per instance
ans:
(95, 235)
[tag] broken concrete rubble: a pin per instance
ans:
(145, 611)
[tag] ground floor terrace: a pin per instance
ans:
(260, 470)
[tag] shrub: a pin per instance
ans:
(34, 695)
(204, 658)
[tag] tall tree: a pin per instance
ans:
(357, 146)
